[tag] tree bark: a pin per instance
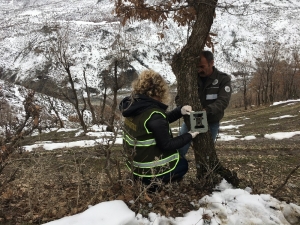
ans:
(115, 94)
(92, 109)
(184, 66)
(76, 100)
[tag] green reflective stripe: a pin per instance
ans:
(156, 163)
(134, 142)
(148, 132)
(152, 175)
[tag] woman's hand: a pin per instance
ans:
(193, 133)
(186, 109)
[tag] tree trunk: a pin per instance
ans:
(245, 91)
(52, 106)
(76, 101)
(184, 66)
(92, 109)
(113, 110)
(245, 100)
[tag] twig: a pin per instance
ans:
(286, 180)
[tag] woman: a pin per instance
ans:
(148, 141)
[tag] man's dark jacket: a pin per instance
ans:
(214, 94)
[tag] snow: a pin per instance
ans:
(281, 135)
(230, 127)
(101, 214)
(239, 37)
(31, 13)
(282, 117)
(85, 143)
(226, 205)
(250, 137)
(284, 102)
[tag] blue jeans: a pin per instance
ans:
(213, 127)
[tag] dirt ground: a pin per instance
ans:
(42, 186)
(265, 164)
(50, 185)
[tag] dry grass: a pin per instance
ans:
(53, 184)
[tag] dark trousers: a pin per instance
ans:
(175, 175)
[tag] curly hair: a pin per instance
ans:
(152, 84)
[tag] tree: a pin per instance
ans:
(104, 87)
(89, 102)
(199, 15)
(243, 76)
(58, 49)
(266, 68)
(290, 80)
(276, 75)
(16, 129)
(114, 77)
(52, 106)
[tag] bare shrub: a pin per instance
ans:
(16, 129)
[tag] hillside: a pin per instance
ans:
(28, 26)
(50, 184)
(259, 121)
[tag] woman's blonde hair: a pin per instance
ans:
(152, 84)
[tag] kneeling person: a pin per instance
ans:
(148, 140)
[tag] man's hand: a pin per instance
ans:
(194, 134)
(186, 109)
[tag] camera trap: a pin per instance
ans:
(199, 121)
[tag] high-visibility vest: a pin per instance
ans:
(145, 159)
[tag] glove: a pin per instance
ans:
(186, 109)
(194, 134)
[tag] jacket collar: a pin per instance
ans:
(135, 105)
(213, 76)
(210, 78)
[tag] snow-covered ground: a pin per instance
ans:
(241, 36)
(225, 206)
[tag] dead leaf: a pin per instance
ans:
(147, 198)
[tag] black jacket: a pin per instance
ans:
(215, 94)
(157, 124)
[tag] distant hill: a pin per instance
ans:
(95, 37)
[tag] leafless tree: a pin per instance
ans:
(16, 130)
(53, 107)
(243, 79)
(291, 79)
(114, 77)
(91, 107)
(58, 49)
(266, 68)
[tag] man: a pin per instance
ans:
(214, 89)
